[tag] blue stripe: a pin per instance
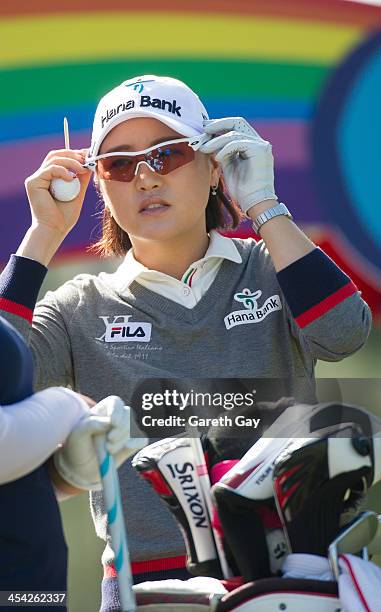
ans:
(44, 122)
(21, 280)
(104, 466)
(112, 513)
(309, 280)
(119, 559)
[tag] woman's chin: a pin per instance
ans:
(156, 235)
(160, 231)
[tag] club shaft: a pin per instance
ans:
(111, 494)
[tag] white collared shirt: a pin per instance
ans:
(195, 281)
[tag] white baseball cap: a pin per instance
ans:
(164, 98)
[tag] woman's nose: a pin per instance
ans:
(137, 169)
(146, 177)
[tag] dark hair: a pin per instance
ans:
(221, 213)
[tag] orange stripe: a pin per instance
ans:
(324, 10)
(16, 309)
(325, 305)
(152, 565)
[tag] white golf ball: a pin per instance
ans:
(65, 191)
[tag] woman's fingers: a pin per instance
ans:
(78, 154)
(245, 147)
(68, 162)
(217, 143)
(43, 176)
(228, 124)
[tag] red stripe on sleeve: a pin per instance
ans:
(152, 565)
(325, 305)
(16, 309)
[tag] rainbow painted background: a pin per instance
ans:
(306, 74)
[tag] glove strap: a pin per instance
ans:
(276, 211)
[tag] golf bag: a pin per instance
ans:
(301, 482)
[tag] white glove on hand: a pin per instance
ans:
(246, 159)
(77, 462)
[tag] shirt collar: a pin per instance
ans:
(220, 247)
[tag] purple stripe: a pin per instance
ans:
(16, 220)
(289, 140)
(20, 159)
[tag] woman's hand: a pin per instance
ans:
(76, 462)
(52, 220)
(246, 160)
(55, 216)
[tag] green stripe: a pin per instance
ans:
(188, 275)
(61, 85)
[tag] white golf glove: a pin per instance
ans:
(77, 462)
(246, 159)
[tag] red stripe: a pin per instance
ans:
(283, 496)
(157, 482)
(152, 565)
(356, 584)
(16, 309)
(191, 277)
(325, 305)
(237, 479)
(325, 10)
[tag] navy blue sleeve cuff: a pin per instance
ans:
(20, 282)
(314, 284)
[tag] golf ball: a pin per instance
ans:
(65, 191)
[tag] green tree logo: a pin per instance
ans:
(248, 299)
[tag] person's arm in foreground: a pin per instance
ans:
(60, 421)
(31, 430)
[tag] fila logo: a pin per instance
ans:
(121, 329)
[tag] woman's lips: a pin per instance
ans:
(157, 207)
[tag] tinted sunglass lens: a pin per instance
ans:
(169, 158)
(162, 160)
(116, 168)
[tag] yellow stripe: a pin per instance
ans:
(101, 36)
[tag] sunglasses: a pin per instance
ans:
(163, 158)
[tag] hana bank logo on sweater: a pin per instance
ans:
(121, 329)
(253, 313)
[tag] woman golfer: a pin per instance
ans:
(185, 301)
